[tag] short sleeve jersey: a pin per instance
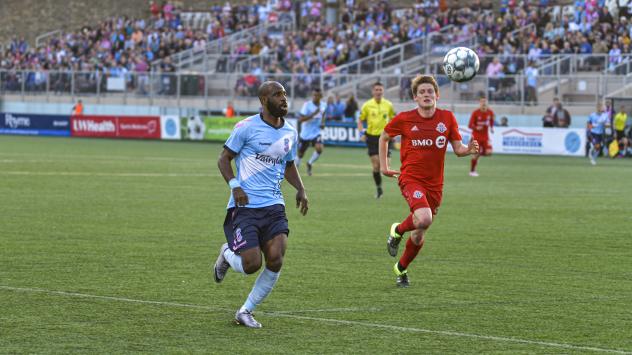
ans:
(376, 115)
(311, 129)
(262, 152)
(423, 145)
(598, 122)
(480, 122)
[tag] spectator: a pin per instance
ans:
(531, 74)
(504, 122)
(339, 111)
(330, 110)
(556, 115)
(494, 72)
(77, 109)
(351, 109)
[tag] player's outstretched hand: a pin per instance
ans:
(472, 147)
(390, 173)
(301, 201)
(241, 199)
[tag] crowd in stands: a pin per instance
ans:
(122, 45)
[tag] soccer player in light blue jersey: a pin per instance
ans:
(264, 149)
(596, 127)
(312, 122)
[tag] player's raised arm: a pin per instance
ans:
(225, 168)
(294, 178)
(462, 150)
(383, 154)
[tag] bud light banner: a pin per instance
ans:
(37, 125)
(339, 133)
(145, 127)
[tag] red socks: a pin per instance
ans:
(473, 164)
(410, 252)
(406, 226)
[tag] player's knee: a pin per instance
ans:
(274, 263)
(423, 223)
(251, 265)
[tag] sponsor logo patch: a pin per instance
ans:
(418, 194)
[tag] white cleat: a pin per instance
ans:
(246, 318)
(473, 173)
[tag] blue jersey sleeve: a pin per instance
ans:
(291, 155)
(237, 138)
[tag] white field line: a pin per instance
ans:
(178, 175)
(327, 320)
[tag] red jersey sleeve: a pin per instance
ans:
(394, 127)
(453, 134)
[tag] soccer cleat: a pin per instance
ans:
(402, 277)
(309, 169)
(247, 319)
(392, 244)
(473, 173)
(379, 192)
(221, 265)
(592, 160)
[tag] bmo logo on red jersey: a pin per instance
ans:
(440, 142)
(422, 142)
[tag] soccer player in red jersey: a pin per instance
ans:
(481, 123)
(425, 133)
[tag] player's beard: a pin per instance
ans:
(276, 110)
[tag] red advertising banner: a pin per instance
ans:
(93, 126)
(147, 127)
(139, 127)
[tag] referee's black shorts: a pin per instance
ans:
(373, 143)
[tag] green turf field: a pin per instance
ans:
(106, 247)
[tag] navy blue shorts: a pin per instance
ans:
(596, 138)
(303, 144)
(247, 228)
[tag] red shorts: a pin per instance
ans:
(484, 146)
(418, 197)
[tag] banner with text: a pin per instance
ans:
(535, 140)
(144, 127)
(339, 133)
(38, 125)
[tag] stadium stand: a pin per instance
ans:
(225, 51)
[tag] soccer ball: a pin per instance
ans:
(461, 64)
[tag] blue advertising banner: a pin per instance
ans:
(34, 125)
(342, 133)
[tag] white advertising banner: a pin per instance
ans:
(169, 127)
(535, 140)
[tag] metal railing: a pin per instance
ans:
(43, 38)
(200, 89)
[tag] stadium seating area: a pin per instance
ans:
(514, 33)
(121, 44)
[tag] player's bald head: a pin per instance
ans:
(268, 87)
